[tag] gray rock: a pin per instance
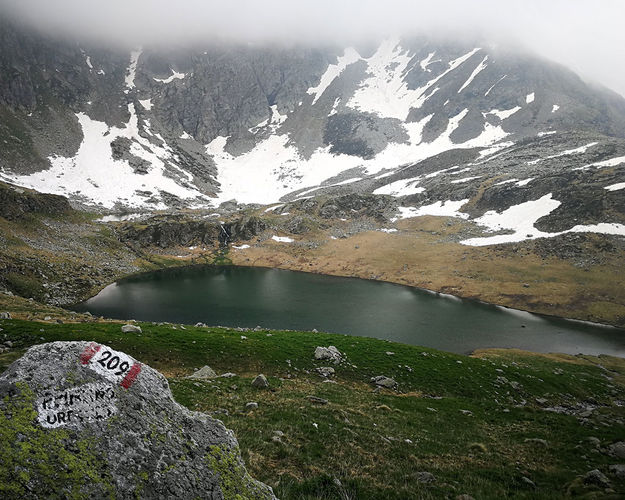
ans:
(47, 318)
(527, 481)
(618, 470)
(200, 325)
(228, 375)
(260, 381)
(204, 373)
(131, 329)
(251, 406)
(325, 371)
(5, 315)
(119, 422)
(617, 449)
(594, 442)
(317, 400)
(330, 353)
(424, 477)
(595, 476)
(383, 381)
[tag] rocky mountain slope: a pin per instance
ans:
(431, 122)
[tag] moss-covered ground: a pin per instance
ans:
(474, 423)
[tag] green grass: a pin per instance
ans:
(372, 444)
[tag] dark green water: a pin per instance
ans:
(232, 296)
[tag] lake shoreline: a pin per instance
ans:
(192, 295)
(416, 287)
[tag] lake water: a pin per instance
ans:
(277, 299)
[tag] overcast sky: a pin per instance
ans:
(586, 35)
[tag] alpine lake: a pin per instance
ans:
(286, 300)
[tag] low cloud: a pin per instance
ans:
(585, 35)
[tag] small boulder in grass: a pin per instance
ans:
(131, 329)
(424, 477)
(597, 478)
(5, 315)
(325, 371)
(204, 373)
(260, 381)
(330, 353)
(617, 449)
(383, 381)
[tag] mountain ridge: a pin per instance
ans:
(250, 124)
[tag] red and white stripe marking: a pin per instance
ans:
(112, 365)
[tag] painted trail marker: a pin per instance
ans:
(86, 403)
(119, 421)
(115, 366)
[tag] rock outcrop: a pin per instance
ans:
(16, 203)
(82, 420)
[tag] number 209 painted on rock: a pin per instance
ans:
(112, 365)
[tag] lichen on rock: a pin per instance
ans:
(81, 420)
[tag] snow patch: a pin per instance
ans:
(493, 85)
(282, 239)
(119, 218)
(131, 72)
(447, 208)
(273, 122)
(385, 92)
(616, 187)
(612, 162)
(465, 179)
(241, 247)
(579, 150)
(439, 172)
(275, 168)
(334, 106)
(426, 62)
(275, 207)
(146, 103)
(93, 173)
(350, 56)
(476, 71)
(348, 181)
(529, 98)
(507, 181)
(495, 149)
(403, 187)
(505, 113)
(175, 76)
(520, 219)
(555, 108)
